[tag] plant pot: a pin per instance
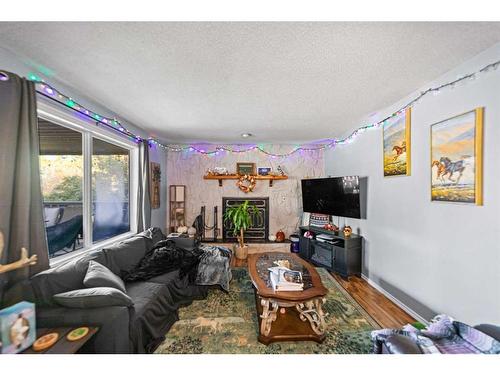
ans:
(241, 252)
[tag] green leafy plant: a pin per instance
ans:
(240, 218)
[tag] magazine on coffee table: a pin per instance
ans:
(285, 280)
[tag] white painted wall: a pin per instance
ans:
(22, 67)
(433, 257)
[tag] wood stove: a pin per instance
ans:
(259, 229)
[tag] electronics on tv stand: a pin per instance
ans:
(324, 236)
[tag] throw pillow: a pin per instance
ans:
(99, 276)
(93, 297)
(125, 255)
(63, 278)
(440, 327)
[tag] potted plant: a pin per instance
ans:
(240, 217)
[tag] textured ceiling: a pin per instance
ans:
(282, 82)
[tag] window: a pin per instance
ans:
(110, 190)
(87, 179)
(61, 172)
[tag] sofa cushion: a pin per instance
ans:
(124, 255)
(100, 276)
(153, 313)
(165, 278)
(93, 297)
(144, 292)
(65, 277)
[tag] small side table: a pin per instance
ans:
(63, 345)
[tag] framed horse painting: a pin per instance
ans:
(397, 145)
(457, 159)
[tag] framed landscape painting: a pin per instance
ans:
(397, 146)
(457, 159)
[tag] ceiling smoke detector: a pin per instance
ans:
(246, 135)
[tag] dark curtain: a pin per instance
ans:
(21, 209)
(143, 192)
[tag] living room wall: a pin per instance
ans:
(23, 67)
(432, 257)
(188, 168)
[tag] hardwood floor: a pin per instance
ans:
(381, 309)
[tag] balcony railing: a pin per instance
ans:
(64, 223)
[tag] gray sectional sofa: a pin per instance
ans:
(136, 328)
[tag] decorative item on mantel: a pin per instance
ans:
(271, 177)
(246, 188)
(280, 170)
(217, 171)
(243, 169)
(264, 171)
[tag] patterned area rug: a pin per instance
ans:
(226, 323)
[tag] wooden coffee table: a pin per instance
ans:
(288, 316)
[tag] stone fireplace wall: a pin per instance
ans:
(285, 201)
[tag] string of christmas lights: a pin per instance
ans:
(112, 123)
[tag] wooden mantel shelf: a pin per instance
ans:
(221, 178)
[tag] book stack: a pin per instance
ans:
(285, 280)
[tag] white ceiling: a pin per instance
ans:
(282, 82)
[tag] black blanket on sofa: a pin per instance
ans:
(165, 257)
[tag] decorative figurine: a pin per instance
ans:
(347, 231)
(182, 230)
(331, 227)
(280, 236)
(308, 234)
(191, 232)
(220, 171)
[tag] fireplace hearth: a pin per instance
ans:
(259, 229)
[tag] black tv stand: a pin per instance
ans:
(341, 255)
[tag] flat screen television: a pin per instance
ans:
(337, 196)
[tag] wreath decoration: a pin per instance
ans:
(241, 183)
